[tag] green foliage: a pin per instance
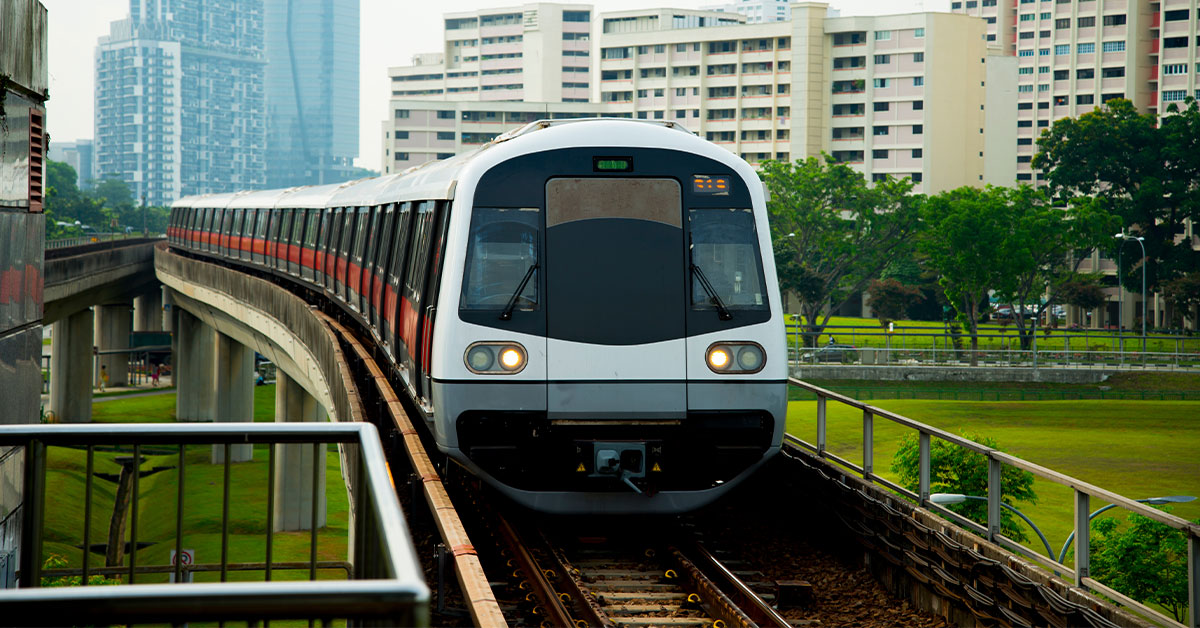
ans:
(108, 206)
(56, 561)
(832, 232)
(1138, 167)
(953, 469)
(1143, 559)
(890, 299)
(1182, 293)
(1082, 291)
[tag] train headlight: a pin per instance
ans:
(495, 358)
(511, 359)
(479, 358)
(719, 358)
(735, 357)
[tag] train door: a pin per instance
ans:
(226, 233)
(368, 263)
(379, 277)
(214, 231)
(272, 238)
(615, 282)
(395, 283)
(429, 303)
(416, 277)
(246, 234)
(358, 244)
(343, 252)
(297, 242)
(283, 251)
(322, 242)
(308, 254)
(235, 234)
(256, 225)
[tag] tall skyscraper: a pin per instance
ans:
(180, 104)
(311, 91)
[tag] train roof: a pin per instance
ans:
(437, 179)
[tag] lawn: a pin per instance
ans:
(866, 332)
(202, 504)
(1136, 448)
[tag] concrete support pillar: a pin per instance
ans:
(71, 368)
(113, 324)
(234, 393)
(168, 313)
(194, 368)
(147, 311)
(294, 463)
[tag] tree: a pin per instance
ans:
(1082, 291)
(954, 469)
(890, 300)
(832, 232)
(962, 242)
(1143, 559)
(1142, 170)
(1183, 295)
(1045, 245)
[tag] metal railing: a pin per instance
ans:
(1079, 574)
(386, 585)
(91, 238)
(1098, 350)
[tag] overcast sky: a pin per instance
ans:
(392, 32)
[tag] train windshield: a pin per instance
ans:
(724, 247)
(502, 248)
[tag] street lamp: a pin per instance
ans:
(1170, 499)
(1123, 237)
(958, 498)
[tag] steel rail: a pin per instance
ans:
(539, 581)
(749, 602)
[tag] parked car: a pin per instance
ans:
(831, 353)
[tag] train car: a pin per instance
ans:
(585, 312)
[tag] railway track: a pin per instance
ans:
(612, 581)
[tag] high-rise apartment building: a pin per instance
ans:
(535, 52)
(180, 105)
(900, 95)
(79, 155)
(311, 84)
(1072, 56)
(756, 11)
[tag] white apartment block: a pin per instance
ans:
(756, 11)
(534, 52)
(900, 95)
(1073, 55)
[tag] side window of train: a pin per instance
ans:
(385, 241)
(323, 240)
(335, 235)
(273, 233)
(372, 233)
(310, 233)
(347, 232)
(360, 235)
(260, 229)
(227, 223)
(400, 246)
(298, 221)
(285, 231)
(237, 223)
(248, 224)
(419, 262)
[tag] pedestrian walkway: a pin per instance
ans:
(165, 385)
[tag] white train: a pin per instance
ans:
(585, 312)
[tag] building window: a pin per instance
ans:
(882, 59)
(881, 106)
(1062, 75)
(445, 135)
(918, 57)
(881, 82)
(1027, 35)
(1114, 20)
(1174, 95)
(1028, 17)
(1117, 72)
(918, 105)
(1177, 15)
(1113, 46)
(1024, 70)
(1024, 141)
(1085, 73)
(577, 16)
(1043, 88)
(918, 81)
(883, 130)
(916, 177)
(1175, 42)
(1085, 99)
(1024, 123)
(1062, 49)
(1025, 53)
(920, 32)
(401, 156)
(1175, 68)
(1062, 23)
(401, 114)
(1043, 52)
(917, 153)
(879, 154)
(1087, 48)
(918, 129)
(883, 35)
(1087, 22)
(401, 135)
(1024, 89)
(445, 155)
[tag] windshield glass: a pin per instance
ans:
(503, 245)
(724, 245)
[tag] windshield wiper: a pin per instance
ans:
(722, 312)
(512, 302)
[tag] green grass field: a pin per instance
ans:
(866, 332)
(1136, 448)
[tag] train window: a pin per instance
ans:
(369, 252)
(227, 225)
(297, 226)
(347, 233)
(501, 250)
(381, 254)
(274, 231)
(724, 248)
(260, 228)
(310, 234)
(237, 222)
(285, 228)
(422, 225)
(400, 248)
(360, 235)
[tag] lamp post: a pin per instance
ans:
(1170, 499)
(1123, 237)
(958, 498)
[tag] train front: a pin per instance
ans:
(619, 343)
